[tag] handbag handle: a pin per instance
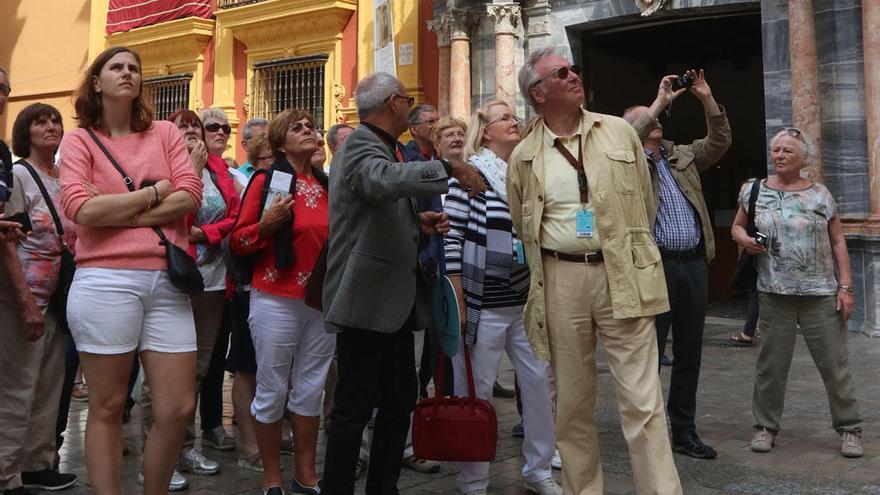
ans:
(438, 375)
(751, 228)
(129, 183)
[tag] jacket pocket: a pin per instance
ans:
(623, 170)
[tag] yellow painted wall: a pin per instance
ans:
(44, 46)
(405, 16)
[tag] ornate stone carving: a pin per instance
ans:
(459, 22)
(246, 105)
(198, 105)
(163, 70)
(505, 16)
(648, 7)
(338, 96)
(441, 29)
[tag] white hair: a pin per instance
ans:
(808, 149)
(528, 77)
(213, 114)
(247, 133)
(373, 91)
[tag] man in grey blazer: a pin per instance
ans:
(374, 293)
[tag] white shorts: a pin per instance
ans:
(114, 311)
(292, 347)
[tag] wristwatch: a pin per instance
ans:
(846, 288)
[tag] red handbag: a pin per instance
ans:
(455, 428)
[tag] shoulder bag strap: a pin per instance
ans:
(49, 203)
(751, 229)
(125, 178)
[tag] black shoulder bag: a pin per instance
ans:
(182, 269)
(745, 275)
(58, 302)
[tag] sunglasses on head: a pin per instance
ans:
(793, 132)
(214, 127)
(560, 73)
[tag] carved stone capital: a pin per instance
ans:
(460, 23)
(505, 16)
(441, 29)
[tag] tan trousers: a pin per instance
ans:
(578, 311)
(31, 376)
(207, 310)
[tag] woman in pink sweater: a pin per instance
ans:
(122, 300)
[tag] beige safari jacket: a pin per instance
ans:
(620, 187)
(686, 162)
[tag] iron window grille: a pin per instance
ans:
(167, 94)
(296, 82)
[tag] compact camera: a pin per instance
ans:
(761, 239)
(685, 81)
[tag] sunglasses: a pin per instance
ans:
(793, 132)
(560, 73)
(409, 99)
(297, 127)
(214, 127)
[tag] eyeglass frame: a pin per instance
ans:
(227, 129)
(410, 101)
(298, 126)
(505, 117)
(793, 132)
(575, 68)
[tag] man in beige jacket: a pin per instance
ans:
(580, 193)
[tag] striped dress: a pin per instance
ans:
(479, 247)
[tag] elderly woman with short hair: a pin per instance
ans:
(804, 280)
(33, 366)
(486, 264)
(448, 136)
(292, 346)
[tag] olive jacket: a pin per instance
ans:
(686, 162)
(620, 187)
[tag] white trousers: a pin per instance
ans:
(502, 330)
(293, 352)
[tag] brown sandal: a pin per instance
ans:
(742, 339)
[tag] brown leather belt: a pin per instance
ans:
(596, 257)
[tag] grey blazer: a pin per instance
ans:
(373, 279)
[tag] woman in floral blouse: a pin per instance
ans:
(286, 235)
(804, 279)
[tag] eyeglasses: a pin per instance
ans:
(453, 133)
(505, 118)
(409, 99)
(297, 127)
(429, 122)
(5, 90)
(560, 73)
(214, 127)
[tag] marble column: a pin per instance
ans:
(441, 28)
(805, 76)
(460, 64)
(537, 20)
(505, 17)
(871, 44)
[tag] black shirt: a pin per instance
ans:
(5, 171)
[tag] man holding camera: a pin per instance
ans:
(683, 233)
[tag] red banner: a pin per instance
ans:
(123, 15)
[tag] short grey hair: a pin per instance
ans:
(213, 114)
(334, 132)
(373, 91)
(806, 143)
(247, 132)
(527, 75)
(629, 114)
(416, 113)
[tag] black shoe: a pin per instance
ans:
(501, 392)
(18, 491)
(297, 487)
(518, 430)
(665, 361)
(274, 490)
(692, 445)
(47, 479)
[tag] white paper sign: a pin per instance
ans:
(279, 187)
(405, 54)
(383, 29)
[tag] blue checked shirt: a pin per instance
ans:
(677, 227)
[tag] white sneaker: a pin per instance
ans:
(178, 481)
(193, 461)
(556, 460)
(545, 487)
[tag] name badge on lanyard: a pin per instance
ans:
(520, 252)
(584, 224)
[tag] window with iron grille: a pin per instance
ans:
(289, 83)
(167, 93)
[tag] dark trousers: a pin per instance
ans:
(211, 395)
(688, 300)
(375, 369)
(751, 315)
